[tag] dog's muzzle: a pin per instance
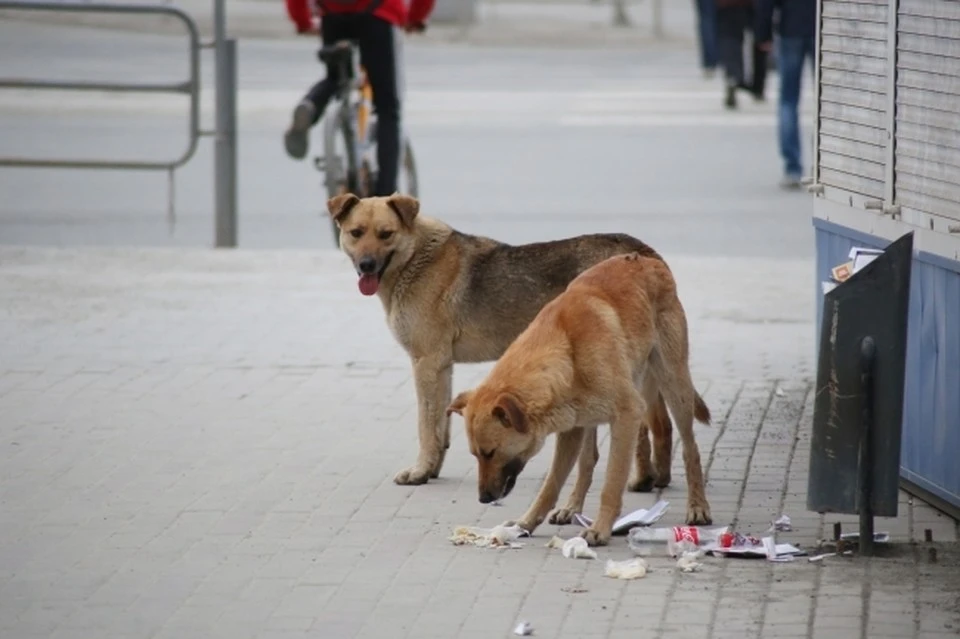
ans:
(508, 479)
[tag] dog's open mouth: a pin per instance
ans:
(369, 283)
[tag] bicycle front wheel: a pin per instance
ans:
(341, 161)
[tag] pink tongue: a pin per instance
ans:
(369, 284)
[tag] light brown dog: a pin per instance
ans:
(451, 297)
(599, 353)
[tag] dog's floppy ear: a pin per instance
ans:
(459, 403)
(405, 207)
(509, 411)
(340, 205)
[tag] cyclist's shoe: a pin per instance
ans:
(295, 139)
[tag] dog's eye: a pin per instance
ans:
(385, 235)
(487, 454)
(357, 233)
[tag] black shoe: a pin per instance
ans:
(295, 139)
(730, 101)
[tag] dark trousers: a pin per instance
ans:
(794, 54)
(378, 41)
(707, 32)
(732, 22)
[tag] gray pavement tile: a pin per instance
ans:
(166, 513)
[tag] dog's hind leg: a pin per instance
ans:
(669, 365)
(662, 430)
(657, 424)
(585, 465)
(643, 478)
(623, 440)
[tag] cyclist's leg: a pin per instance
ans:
(380, 51)
(310, 109)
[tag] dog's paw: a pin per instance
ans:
(662, 480)
(641, 485)
(699, 515)
(562, 516)
(412, 476)
(523, 525)
(595, 537)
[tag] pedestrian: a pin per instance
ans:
(377, 26)
(733, 19)
(797, 27)
(707, 35)
(302, 15)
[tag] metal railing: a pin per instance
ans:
(224, 133)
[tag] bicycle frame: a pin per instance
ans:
(354, 99)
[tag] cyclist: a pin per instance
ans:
(375, 26)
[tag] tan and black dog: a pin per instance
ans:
(601, 352)
(451, 297)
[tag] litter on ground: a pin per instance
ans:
(641, 517)
(635, 568)
(523, 629)
(555, 542)
(497, 537)
(688, 562)
(781, 524)
(577, 548)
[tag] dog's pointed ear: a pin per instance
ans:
(510, 412)
(340, 205)
(459, 403)
(405, 207)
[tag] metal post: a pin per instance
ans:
(816, 97)
(868, 353)
(889, 178)
(225, 141)
(657, 8)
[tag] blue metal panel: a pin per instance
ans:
(930, 450)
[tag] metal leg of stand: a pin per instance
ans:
(868, 352)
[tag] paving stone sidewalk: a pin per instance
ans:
(201, 444)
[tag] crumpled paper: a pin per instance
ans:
(688, 562)
(523, 629)
(555, 542)
(577, 548)
(635, 568)
(781, 524)
(497, 537)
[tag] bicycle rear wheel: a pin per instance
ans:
(408, 182)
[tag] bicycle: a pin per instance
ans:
(349, 160)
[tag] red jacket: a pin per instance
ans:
(393, 11)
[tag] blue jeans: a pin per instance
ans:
(707, 26)
(792, 54)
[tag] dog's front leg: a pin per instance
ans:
(585, 466)
(623, 442)
(564, 456)
(433, 376)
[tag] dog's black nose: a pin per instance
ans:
(487, 497)
(367, 265)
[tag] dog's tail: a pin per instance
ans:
(700, 410)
